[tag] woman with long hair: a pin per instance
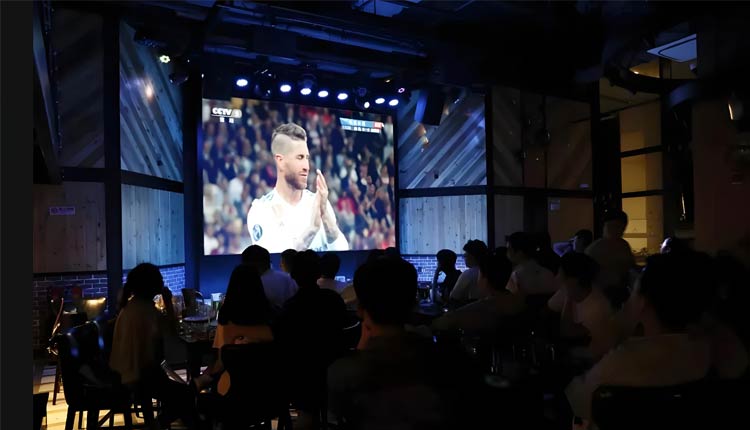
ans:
(244, 317)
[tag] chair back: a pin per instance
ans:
(679, 406)
(80, 354)
(257, 390)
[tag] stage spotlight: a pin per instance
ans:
(393, 102)
(379, 101)
(323, 94)
(342, 96)
(241, 82)
(285, 88)
(367, 105)
(401, 90)
(164, 59)
(305, 91)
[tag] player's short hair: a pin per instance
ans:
(293, 131)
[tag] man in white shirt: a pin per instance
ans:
(612, 252)
(467, 288)
(290, 216)
(278, 286)
(528, 276)
(666, 300)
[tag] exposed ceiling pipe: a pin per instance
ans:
(337, 36)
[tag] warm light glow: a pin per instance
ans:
(149, 91)
(731, 112)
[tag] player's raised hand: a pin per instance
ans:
(321, 187)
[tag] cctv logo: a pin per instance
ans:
(226, 113)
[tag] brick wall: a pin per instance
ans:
(94, 284)
(426, 265)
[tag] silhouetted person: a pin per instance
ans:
(329, 267)
(485, 314)
(310, 332)
(612, 252)
(286, 260)
(544, 253)
(668, 297)
(397, 379)
(528, 277)
(279, 286)
(446, 264)
(467, 286)
(578, 243)
(138, 347)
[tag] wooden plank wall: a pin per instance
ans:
(150, 112)
(152, 227)
(455, 155)
(429, 224)
(69, 243)
(77, 39)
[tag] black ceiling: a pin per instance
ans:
(551, 45)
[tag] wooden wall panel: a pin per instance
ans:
(566, 216)
(77, 38)
(69, 243)
(150, 112)
(429, 224)
(152, 227)
(454, 154)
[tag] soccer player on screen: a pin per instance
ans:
(290, 216)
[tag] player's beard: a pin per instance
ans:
(296, 181)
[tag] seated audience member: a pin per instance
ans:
(397, 379)
(392, 252)
(309, 330)
(612, 252)
(581, 304)
(467, 286)
(138, 347)
(244, 317)
(348, 293)
(286, 260)
(726, 319)
(544, 254)
(667, 298)
(279, 286)
(329, 267)
(484, 314)
(446, 264)
(528, 277)
(578, 243)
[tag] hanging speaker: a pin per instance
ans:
(430, 105)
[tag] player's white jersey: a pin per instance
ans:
(275, 225)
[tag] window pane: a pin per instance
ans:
(449, 155)
(506, 130)
(640, 127)
(429, 224)
(533, 141)
(641, 172)
(645, 224)
(508, 217)
(569, 150)
(566, 216)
